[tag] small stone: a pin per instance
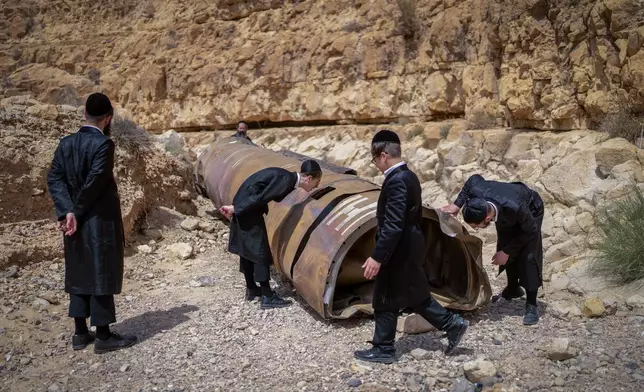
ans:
(124, 368)
(25, 361)
(253, 331)
(301, 384)
(181, 250)
(498, 339)
(53, 388)
(54, 267)
(207, 227)
(95, 366)
(10, 272)
(559, 382)
(593, 307)
(145, 249)
(413, 324)
(203, 281)
(129, 298)
(245, 364)
(479, 369)
(40, 303)
(419, 353)
(354, 383)
(635, 301)
(190, 224)
(361, 367)
(561, 350)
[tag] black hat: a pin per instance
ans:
(98, 105)
(475, 210)
(310, 167)
(385, 135)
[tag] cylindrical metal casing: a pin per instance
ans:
(320, 240)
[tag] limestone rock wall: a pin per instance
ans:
(528, 63)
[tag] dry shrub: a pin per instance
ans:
(627, 124)
(408, 18)
(129, 136)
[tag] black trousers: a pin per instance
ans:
(253, 271)
(100, 308)
(526, 268)
(386, 321)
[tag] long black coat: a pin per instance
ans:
(248, 237)
(401, 282)
(518, 225)
(81, 181)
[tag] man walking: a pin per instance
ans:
(85, 195)
(248, 236)
(396, 262)
(517, 212)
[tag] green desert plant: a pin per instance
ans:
(619, 248)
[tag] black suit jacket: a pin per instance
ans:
(248, 236)
(518, 206)
(400, 246)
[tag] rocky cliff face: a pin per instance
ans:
(527, 63)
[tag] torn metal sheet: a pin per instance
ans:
(320, 240)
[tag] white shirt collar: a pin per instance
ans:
(393, 167)
(91, 126)
(496, 211)
(297, 183)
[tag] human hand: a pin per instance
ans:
(69, 225)
(451, 209)
(227, 211)
(372, 267)
(500, 258)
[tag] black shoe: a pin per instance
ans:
(531, 316)
(79, 342)
(115, 342)
(455, 334)
(510, 293)
(274, 301)
(376, 354)
(251, 294)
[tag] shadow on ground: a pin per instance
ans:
(149, 324)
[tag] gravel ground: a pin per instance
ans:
(198, 334)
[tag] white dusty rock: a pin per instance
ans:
(181, 250)
(561, 350)
(145, 249)
(172, 141)
(190, 224)
(479, 369)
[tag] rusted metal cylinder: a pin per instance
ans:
(320, 240)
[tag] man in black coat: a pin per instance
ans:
(397, 260)
(248, 236)
(517, 212)
(242, 131)
(82, 186)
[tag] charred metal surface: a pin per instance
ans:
(320, 240)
